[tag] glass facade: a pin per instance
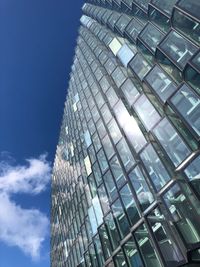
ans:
(125, 182)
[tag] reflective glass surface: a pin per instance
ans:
(187, 103)
(129, 204)
(147, 250)
(177, 48)
(160, 83)
(185, 215)
(141, 187)
(132, 254)
(146, 112)
(151, 37)
(155, 168)
(171, 142)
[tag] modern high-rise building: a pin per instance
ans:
(126, 177)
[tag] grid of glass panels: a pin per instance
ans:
(125, 182)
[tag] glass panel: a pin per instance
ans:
(134, 134)
(92, 185)
(143, 3)
(159, 19)
(106, 114)
(179, 49)
(114, 46)
(109, 150)
(160, 83)
(146, 112)
(101, 128)
(96, 142)
(122, 23)
(92, 220)
(119, 75)
(110, 186)
(114, 131)
(117, 171)
(125, 154)
(132, 254)
(133, 29)
(164, 238)
(192, 76)
(120, 217)
(148, 252)
(112, 231)
(164, 5)
(130, 91)
(185, 216)
(139, 66)
(120, 260)
(103, 199)
(98, 249)
(193, 174)
(98, 210)
(112, 97)
(125, 54)
(155, 168)
(186, 25)
(191, 6)
(93, 256)
(105, 242)
(97, 173)
(141, 188)
(102, 160)
(129, 204)
(188, 104)
(151, 37)
(171, 142)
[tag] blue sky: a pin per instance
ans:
(37, 41)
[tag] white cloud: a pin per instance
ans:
(25, 179)
(24, 228)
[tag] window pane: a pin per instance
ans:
(188, 104)
(119, 260)
(193, 174)
(103, 199)
(159, 18)
(139, 66)
(178, 48)
(185, 216)
(171, 142)
(125, 154)
(160, 83)
(129, 204)
(114, 131)
(148, 252)
(105, 242)
(155, 168)
(130, 91)
(151, 37)
(117, 171)
(141, 188)
(133, 29)
(186, 25)
(165, 5)
(109, 150)
(102, 161)
(192, 76)
(146, 112)
(132, 254)
(110, 186)
(164, 237)
(112, 231)
(121, 219)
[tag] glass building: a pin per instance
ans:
(126, 176)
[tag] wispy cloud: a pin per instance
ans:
(24, 228)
